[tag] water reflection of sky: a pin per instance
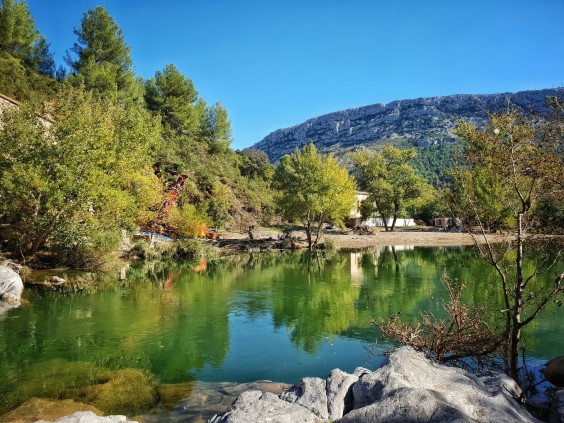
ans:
(273, 355)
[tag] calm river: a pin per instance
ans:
(249, 317)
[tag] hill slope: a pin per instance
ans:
(420, 122)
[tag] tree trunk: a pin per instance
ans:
(40, 240)
(308, 230)
(394, 222)
(515, 335)
(319, 229)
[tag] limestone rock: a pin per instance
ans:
(11, 286)
(408, 405)
(448, 391)
(421, 122)
(339, 393)
(407, 388)
(310, 393)
(255, 406)
(89, 417)
(554, 371)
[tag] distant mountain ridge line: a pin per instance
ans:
(420, 122)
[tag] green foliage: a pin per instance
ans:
(174, 97)
(103, 63)
(47, 185)
(434, 162)
(255, 164)
(188, 220)
(393, 184)
(367, 208)
(59, 210)
(17, 29)
(193, 249)
(514, 165)
(218, 205)
(314, 189)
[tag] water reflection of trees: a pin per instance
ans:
(173, 321)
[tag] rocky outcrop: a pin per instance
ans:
(420, 122)
(407, 388)
(11, 288)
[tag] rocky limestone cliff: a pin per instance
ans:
(420, 122)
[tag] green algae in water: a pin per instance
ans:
(126, 391)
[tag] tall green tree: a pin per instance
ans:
(42, 57)
(17, 29)
(103, 63)
(313, 189)
(393, 184)
(174, 97)
(521, 159)
(68, 188)
(217, 128)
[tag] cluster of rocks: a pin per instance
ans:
(407, 388)
(421, 122)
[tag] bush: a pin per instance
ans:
(193, 249)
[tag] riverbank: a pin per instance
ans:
(265, 238)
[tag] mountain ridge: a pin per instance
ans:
(418, 122)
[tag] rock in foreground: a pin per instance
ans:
(407, 388)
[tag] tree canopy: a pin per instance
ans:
(512, 165)
(74, 184)
(314, 189)
(393, 184)
(103, 63)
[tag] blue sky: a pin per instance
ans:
(274, 64)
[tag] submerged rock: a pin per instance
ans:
(47, 409)
(407, 388)
(11, 286)
(554, 371)
(89, 417)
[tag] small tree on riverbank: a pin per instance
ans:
(521, 157)
(393, 184)
(314, 189)
(519, 160)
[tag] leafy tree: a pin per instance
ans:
(42, 58)
(217, 128)
(17, 29)
(519, 157)
(255, 164)
(87, 175)
(174, 97)
(314, 189)
(392, 183)
(103, 63)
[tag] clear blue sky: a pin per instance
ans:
(274, 64)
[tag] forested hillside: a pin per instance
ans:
(118, 145)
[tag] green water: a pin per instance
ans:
(268, 316)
